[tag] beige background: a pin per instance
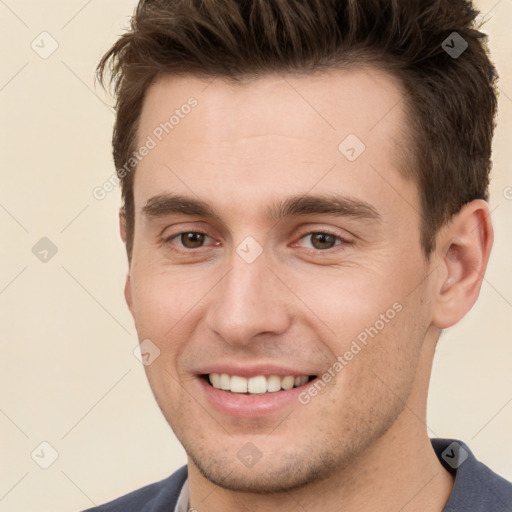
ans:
(68, 375)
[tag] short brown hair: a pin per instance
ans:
(451, 99)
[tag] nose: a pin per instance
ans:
(250, 300)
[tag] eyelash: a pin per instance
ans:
(343, 241)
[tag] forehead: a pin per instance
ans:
(328, 102)
(274, 133)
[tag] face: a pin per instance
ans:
(303, 268)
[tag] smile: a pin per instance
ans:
(256, 385)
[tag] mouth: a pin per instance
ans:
(257, 385)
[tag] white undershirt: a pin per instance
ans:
(182, 505)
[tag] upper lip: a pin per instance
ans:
(253, 370)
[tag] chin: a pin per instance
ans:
(266, 477)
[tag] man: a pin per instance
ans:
(305, 187)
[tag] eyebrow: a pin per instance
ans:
(163, 205)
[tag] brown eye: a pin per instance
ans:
(186, 241)
(192, 239)
(323, 240)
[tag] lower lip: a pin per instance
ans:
(250, 406)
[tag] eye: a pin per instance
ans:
(188, 239)
(323, 240)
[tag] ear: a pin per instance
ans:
(127, 285)
(464, 246)
(122, 224)
(128, 293)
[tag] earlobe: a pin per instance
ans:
(464, 249)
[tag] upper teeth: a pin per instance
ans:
(259, 384)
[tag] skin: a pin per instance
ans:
(361, 443)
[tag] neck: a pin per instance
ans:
(400, 471)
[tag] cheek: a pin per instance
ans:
(160, 309)
(159, 302)
(391, 356)
(352, 304)
(380, 344)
